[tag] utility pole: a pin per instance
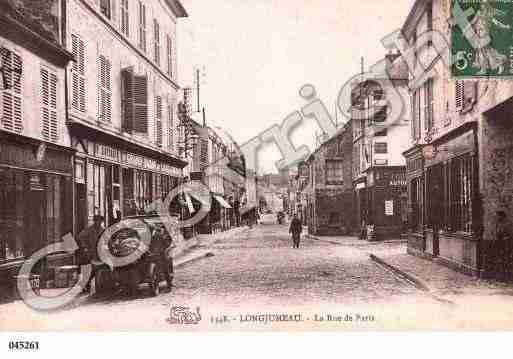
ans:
(204, 118)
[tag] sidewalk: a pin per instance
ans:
(433, 277)
(350, 240)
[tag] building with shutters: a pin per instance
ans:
(459, 160)
(122, 98)
(35, 148)
(379, 140)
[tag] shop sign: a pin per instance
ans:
(170, 170)
(134, 160)
(151, 164)
(106, 152)
(452, 148)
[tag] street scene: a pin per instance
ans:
(176, 166)
(236, 278)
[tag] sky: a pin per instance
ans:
(254, 56)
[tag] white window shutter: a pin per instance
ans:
(12, 110)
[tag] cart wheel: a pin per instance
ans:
(154, 285)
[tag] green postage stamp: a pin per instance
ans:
(492, 23)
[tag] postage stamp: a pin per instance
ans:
(485, 46)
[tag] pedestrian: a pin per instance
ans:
(88, 243)
(296, 227)
(363, 230)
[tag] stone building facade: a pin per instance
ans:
(329, 188)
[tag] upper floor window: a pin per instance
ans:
(428, 104)
(156, 37)
(415, 123)
(78, 80)
(334, 171)
(104, 101)
(105, 8)
(50, 127)
(12, 99)
(134, 102)
(380, 147)
(170, 124)
(169, 44)
(158, 120)
(142, 26)
(125, 22)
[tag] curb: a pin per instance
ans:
(418, 283)
(193, 259)
(363, 242)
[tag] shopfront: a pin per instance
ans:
(117, 182)
(415, 206)
(35, 200)
(386, 206)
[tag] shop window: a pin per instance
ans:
(416, 196)
(12, 214)
(54, 208)
(129, 205)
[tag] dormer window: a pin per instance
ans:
(105, 8)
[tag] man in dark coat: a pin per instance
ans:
(296, 227)
(88, 243)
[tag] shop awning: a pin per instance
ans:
(222, 202)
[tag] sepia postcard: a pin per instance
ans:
(231, 165)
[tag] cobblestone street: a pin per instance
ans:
(256, 271)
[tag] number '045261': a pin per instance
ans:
(21, 345)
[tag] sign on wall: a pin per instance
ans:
(389, 208)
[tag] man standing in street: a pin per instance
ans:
(88, 242)
(296, 227)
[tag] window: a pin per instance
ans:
(466, 95)
(49, 105)
(380, 115)
(428, 104)
(416, 115)
(134, 102)
(459, 175)
(125, 23)
(334, 171)
(380, 147)
(158, 120)
(417, 197)
(170, 124)
(142, 26)
(13, 199)
(381, 133)
(12, 109)
(169, 42)
(156, 34)
(78, 87)
(105, 8)
(104, 101)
